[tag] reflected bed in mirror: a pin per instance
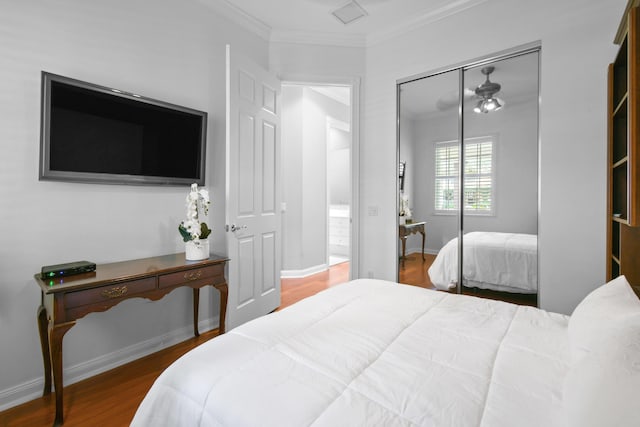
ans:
(506, 262)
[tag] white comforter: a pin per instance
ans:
(372, 353)
(498, 261)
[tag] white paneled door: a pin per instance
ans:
(253, 190)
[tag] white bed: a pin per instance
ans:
(498, 261)
(375, 353)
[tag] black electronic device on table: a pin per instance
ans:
(68, 269)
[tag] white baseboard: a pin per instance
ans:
(418, 250)
(32, 389)
(291, 274)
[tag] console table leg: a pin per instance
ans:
(404, 248)
(196, 304)
(56, 333)
(224, 293)
(43, 326)
(424, 237)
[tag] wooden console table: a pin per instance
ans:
(405, 230)
(66, 299)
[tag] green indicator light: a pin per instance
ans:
(51, 283)
(51, 274)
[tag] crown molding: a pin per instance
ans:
(421, 20)
(240, 17)
(319, 38)
(362, 40)
(250, 23)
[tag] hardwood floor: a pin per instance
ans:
(108, 399)
(111, 398)
(293, 290)
(413, 270)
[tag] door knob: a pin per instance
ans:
(237, 227)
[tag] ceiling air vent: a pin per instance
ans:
(349, 12)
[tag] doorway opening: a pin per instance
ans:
(317, 178)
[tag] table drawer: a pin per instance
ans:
(107, 293)
(210, 274)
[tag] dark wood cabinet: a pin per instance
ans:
(623, 154)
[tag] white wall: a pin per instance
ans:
(170, 50)
(316, 63)
(576, 37)
(291, 142)
(338, 166)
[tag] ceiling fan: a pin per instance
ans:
(486, 91)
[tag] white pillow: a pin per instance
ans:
(601, 387)
(597, 316)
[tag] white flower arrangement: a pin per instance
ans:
(404, 206)
(192, 229)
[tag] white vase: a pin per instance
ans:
(197, 250)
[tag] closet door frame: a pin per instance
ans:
(461, 68)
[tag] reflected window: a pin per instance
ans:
(479, 176)
(446, 179)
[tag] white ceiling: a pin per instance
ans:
(311, 21)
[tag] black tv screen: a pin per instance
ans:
(92, 133)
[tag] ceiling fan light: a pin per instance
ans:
(486, 92)
(494, 104)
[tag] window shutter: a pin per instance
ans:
(446, 182)
(478, 176)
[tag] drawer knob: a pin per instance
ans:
(116, 292)
(193, 275)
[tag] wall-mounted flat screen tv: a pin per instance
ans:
(96, 134)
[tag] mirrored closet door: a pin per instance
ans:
(474, 124)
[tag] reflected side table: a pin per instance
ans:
(405, 230)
